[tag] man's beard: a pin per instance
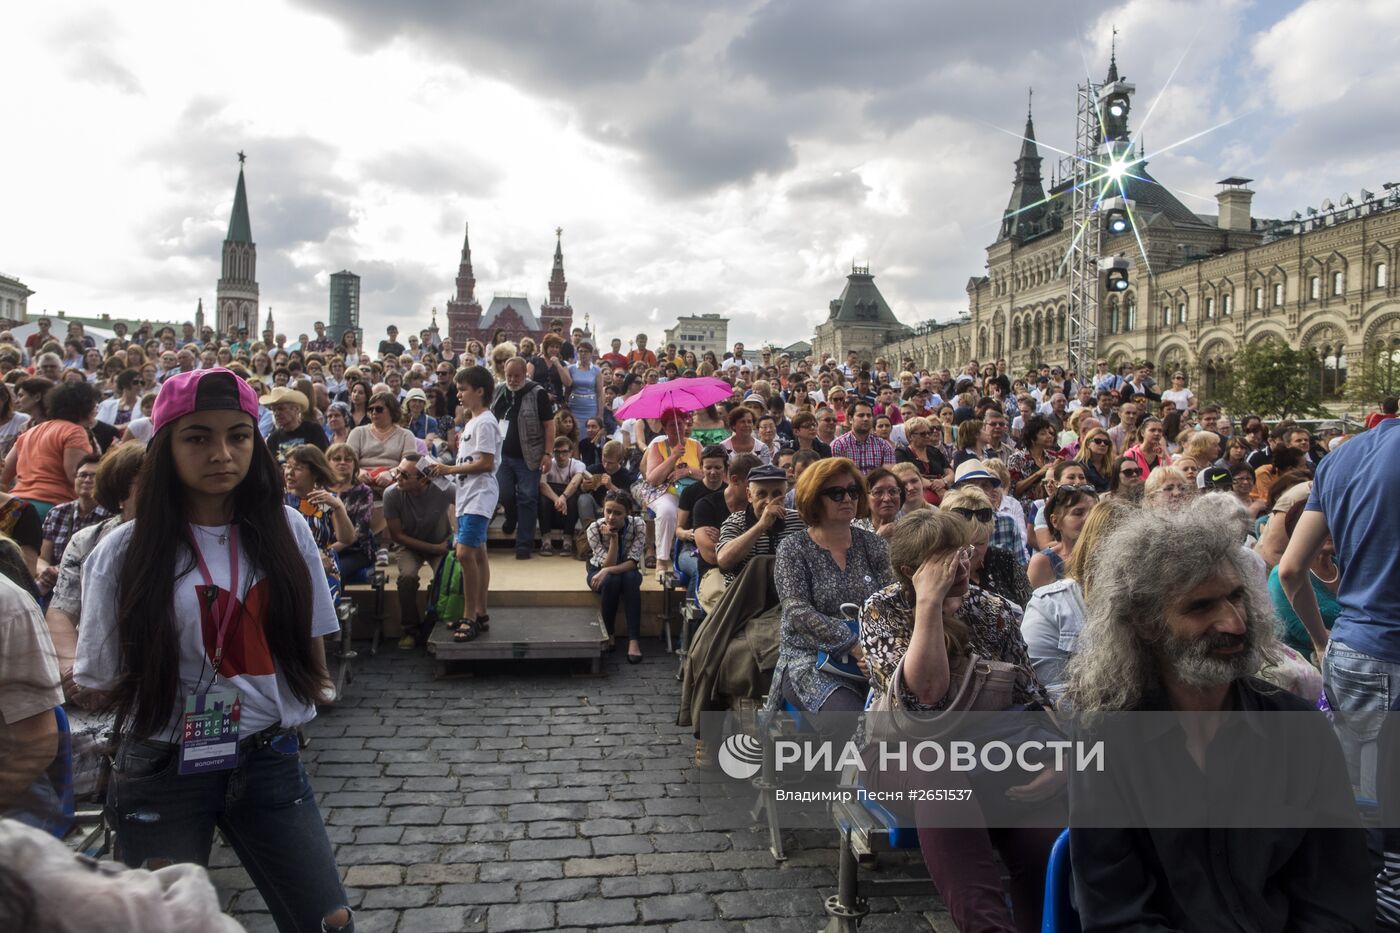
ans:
(1194, 663)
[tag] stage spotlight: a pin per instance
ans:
(1117, 215)
(1115, 271)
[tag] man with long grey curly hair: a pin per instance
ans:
(1201, 782)
(1192, 613)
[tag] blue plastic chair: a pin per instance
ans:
(1059, 915)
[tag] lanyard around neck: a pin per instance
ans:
(210, 592)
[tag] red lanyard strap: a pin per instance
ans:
(231, 603)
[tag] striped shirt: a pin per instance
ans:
(737, 523)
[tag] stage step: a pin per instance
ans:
(525, 635)
(541, 583)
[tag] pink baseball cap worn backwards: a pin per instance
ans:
(203, 390)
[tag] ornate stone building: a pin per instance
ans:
(236, 296)
(508, 316)
(1210, 284)
(859, 319)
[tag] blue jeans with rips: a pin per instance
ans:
(520, 497)
(264, 807)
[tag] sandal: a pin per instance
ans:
(483, 623)
(465, 630)
(651, 563)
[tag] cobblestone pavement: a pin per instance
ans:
(520, 800)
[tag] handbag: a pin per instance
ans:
(977, 685)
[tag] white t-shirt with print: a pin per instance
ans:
(247, 664)
(477, 493)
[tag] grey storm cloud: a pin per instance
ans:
(801, 45)
(837, 187)
(561, 45)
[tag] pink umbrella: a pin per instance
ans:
(690, 394)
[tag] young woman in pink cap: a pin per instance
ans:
(213, 655)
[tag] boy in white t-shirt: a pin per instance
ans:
(560, 486)
(478, 452)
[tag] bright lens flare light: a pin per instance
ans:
(1116, 170)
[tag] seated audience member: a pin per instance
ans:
(617, 542)
(603, 477)
(714, 464)
(359, 503)
(1055, 613)
(1095, 455)
(560, 486)
(1167, 489)
(30, 688)
(1185, 634)
(289, 408)
(818, 571)
(1323, 575)
(762, 525)
(1009, 531)
(116, 492)
(418, 514)
(1127, 481)
(993, 568)
(925, 623)
(592, 441)
(382, 444)
(48, 888)
(309, 477)
(709, 516)
(67, 519)
(801, 460)
(913, 484)
(1065, 513)
(804, 433)
(886, 501)
(1064, 473)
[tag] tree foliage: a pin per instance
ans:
(1270, 379)
(1378, 378)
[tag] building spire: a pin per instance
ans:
(1026, 207)
(239, 229)
(1113, 57)
(466, 278)
(557, 282)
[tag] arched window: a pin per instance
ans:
(1258, 299)
(1315, 288)
(1227, 304)
(1166, 315)
(1210, 308)
(1338, 284)
(1333, 374)
(1129, 313)
(1113, 315)
(1181, 312)
(1278, 294)
(1380, 275)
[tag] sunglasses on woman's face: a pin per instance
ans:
(842, 493)
(1131, 472)
(375, 408)
(1099, 440)
(977, 515)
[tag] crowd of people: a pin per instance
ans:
(172, 503)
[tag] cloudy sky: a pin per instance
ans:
(719, 156)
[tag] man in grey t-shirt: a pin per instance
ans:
(419, 517)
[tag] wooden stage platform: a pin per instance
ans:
(539, 584)
(521, 634)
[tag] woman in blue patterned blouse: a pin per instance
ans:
(816, 572)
